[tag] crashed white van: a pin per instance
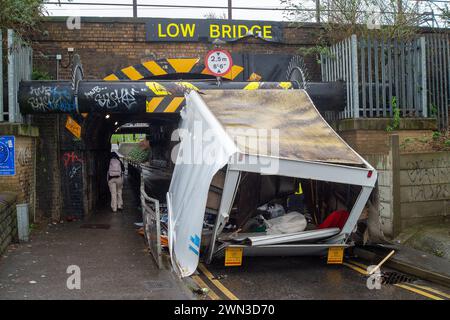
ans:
(221, 129)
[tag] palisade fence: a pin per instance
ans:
(385, 74)
(438, 76)
(19, 61)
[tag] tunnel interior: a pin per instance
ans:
(97, 133)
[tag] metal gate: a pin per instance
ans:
(152, 226)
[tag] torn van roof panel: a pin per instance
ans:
(303, 133)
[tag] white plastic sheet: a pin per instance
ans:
(204, 149)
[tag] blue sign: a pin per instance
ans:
(7, 167)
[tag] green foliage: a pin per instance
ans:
(433, 110)
(40, 75)
(22, 16)
(447, 143)
(436, 135)
(395, 124)
(118, 138)
(138, 155)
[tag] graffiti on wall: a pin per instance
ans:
(72, 183)
(113, 98)
(428, 179)
(24, 172)
(45, 98)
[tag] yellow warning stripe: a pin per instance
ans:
(182, 65)
(217, 283)
(252, 86)
(285, 85)
(132, 73)
(233, 73)
(174, 104)
(154, 68)
(211, 294)
(187, 85)
(150, 106)
(157, 88)
(111, 77)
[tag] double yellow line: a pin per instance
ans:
(418, 289)
(211, 294)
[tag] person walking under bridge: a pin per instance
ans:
(115, 181)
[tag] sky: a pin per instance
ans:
(121, 11)
(110, 10)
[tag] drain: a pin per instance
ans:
(395, 277)
(95, 226)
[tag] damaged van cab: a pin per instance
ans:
(264, 172)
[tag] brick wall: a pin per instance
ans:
(23, 182)
(48, 181)
(109, 44)
(369, 135)
(8, 220)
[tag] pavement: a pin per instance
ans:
(114, 262)
(422, 251)
(432, 238)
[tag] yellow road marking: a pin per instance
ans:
(151, 105)
(217, 283)
(202, 284)
(356, 266)
(132, 73)
(423, 293)
(431, 290)
(361, 265)
(174, 104)
(154, 68)
(357, 269)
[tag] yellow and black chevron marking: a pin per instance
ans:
(255, 85)
(167, 104)
(154, 68)
(169, 97)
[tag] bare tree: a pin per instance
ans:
(341, 18)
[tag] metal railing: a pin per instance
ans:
(381, 75)
(152, 224)
(19, 67)
(438, 77)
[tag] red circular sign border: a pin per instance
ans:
(218, 50)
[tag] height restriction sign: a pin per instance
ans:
(218, 62)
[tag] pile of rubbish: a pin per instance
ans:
(278, 223)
